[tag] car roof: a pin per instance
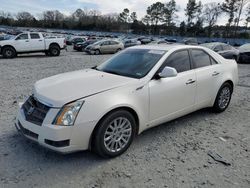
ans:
(166, 47)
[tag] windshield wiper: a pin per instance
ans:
(94, 67)
(112, 72)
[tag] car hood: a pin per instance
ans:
(61, 89)
(4, 42)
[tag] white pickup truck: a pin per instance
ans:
(31, 42)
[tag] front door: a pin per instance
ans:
(175, 96)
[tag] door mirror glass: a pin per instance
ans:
(216, 49)
(168, 72)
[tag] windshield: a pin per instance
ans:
(208, 45)
(135, 63)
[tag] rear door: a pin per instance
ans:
(36, 42)
(175, 96)
(208, 73)
(104, 47)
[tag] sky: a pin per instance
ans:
(104, 6)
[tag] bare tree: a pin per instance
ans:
(241, 4)
(211, 13)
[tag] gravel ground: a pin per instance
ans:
(171, 155)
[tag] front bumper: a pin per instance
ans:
(62, 139)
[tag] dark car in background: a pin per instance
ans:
(225, 50)
(75, 40)
(244, 56)
(145, 40)
(82, 45)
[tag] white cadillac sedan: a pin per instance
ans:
(105, 107)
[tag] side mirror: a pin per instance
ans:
(216, 50)
(168, 72)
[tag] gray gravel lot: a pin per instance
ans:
(171, 155)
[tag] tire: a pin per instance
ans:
(9, 52)
(118, 50)
(54, 50)
(117, 141)
(97, 52)
(223, 98)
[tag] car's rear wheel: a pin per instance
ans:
(9, 52)
(118, 50)
(114, 134)
(223, 98)
(54, 50)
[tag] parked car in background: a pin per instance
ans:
(105, 107)
(244, 56)
(159, 42)
(131, 42)
(73, 40)
(145, 40)
(82, 45)
(77, 40)
(190, 41)
(171, 40)
(223, 49)
(31, 42)
(104, 47)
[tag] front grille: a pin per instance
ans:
(34, 111)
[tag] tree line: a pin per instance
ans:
(161, 18)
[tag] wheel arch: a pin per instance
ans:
(54, 44)
(127, 108)
(5, 46)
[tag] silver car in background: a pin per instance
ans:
(105, 47)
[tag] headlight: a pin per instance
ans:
(68, 114)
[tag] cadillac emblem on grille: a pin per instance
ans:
(31, 110)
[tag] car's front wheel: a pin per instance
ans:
(223, 98)
(114, 134)
(9, 52)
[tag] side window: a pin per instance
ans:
(22, 37)
(179, 60)
(113, 43)
(218, 48)
(34, 36)
(200, 58)
(105, 43)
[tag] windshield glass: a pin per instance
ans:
(208, 45)
(135, 63)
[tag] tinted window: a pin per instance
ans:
(180, 61)
(200, 58)
(22, 37)
(135, 63)
(227, 47)
(105, 43)
(218, 48)
(113, 43)
(34, 36)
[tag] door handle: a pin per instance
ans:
(190, 81)
(27, 41)
(215, 73)
(40, 40)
